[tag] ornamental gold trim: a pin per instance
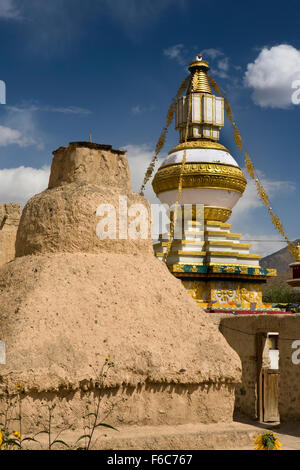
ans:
(272, 272)
(199, 63)
(209, 243)
(228, 243)
(219, 224)
(213, 233)
(242, 266)
(199, 82)
(200, 175)
(208, 277)
(219, 214)
(211, 213)
(189, 242)
(199, 144)
(225, 254)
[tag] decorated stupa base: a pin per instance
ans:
(214, 266)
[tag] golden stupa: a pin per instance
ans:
(214, 265)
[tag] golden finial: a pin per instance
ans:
(199, 81)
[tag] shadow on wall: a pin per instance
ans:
(269, 390)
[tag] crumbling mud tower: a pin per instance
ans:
(9, 220)
(70, 299)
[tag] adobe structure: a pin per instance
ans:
(269, 348)
(69, 299)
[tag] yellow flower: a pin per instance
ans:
(17, 435)
(1, 438)
(261, 440)
(107, 358)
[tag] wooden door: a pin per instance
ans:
(270, 395)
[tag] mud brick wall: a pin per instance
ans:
(240, 332)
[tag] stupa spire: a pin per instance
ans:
(212, 263)
(199, 81)
(206, 110)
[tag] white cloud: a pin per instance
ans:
(211, 53)
(20, 128)
(250, 200)
(142, 110)
(139, 158)
(176, 52)
(136, 109)
(218, 61)
(9, 136)
(20, 184)
(262, 243)
(222, 67)
(271, 76)
(265, 244)
(50, 109)
(8, 10)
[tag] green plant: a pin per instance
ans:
(6, 414)
(91, 418)
(9, 441)
(49, 430)
(280, 293)
(12, 440)
(13, 412)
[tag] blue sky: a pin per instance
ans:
(111, 68)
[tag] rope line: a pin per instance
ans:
(162, 138)
(251, 170)
(254, 334)
(174, 219)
